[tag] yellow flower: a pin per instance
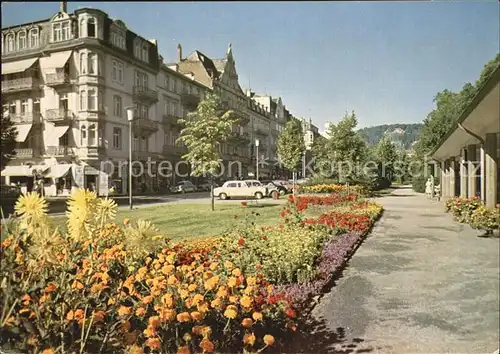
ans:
(140, 312)
(196, 316)
(183, 293)
(168, 300)
(233, 299)
(192, 287)
(153, 343)
(183, 350)
(124, 311)
(268, 339)
(222, 292)
(184, 317)
(206, 331)
(249, 339)
(167, 315)
(147, 299)
(248, 290)
(202, 307)
(231, 312)
(31, 205)
(247, 323)
(135, 349)
(211, 283)
(251, 281)
(167, 269)
(257, 316)
(213, 266)
(231, 282)
(207, 346)
(246, 301)
(236, 272)
(150, 331)
(172, 280)
(216, 304)
(228, 265)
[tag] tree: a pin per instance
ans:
(203, 132)
(386, 155)
(291, 146)
(8, 134)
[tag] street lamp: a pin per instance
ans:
(257, 142)
(130, 117)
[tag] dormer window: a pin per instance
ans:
(145, 52)
(118, 40)
(56, 32)
(91, 27)
(137, 49)
(21, 40)
(65, 31)
(33, 37)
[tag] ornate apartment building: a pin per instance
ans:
(68, 81)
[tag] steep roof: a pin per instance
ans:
(201, 66)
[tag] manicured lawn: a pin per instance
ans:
(183, 220)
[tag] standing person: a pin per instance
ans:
(428, 188)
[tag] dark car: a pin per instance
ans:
(271, 184)
(7, 191)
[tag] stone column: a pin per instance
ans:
(482, 172)
(463, 175)
(447, 179)
(471, 173)
(442, 178)
(452, 178)
(491, 170)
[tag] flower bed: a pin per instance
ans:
(336, 188)
(473, 212)
(104, 287)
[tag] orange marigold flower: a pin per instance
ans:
(147, 299)
(236, 272)
(172, 280)
(251, 281)
(168, 300)
(222, 292)
(197, 299)
(126, 221)
(77, 285)
(213, 266)
(99, 316)
(246, 301)
(192, 287)
(247, 322)
(79, 314)
(197, 330)
(26, 297)
(183, 350)
(216, 303)
(268, 339)
(126, 326)
(228, 265)
(167, 315)
(207, 346)
(196, 316)
(257, 316)
(231, 282)
(153, 343)
(202, 307)
(231, 313)
(124, 311)
(154, 321)
(184, 317)
(249, 339)
(211, 283)
(48, 351)
(140, 312)
(149, 332)
(167, 269)
(50, 288)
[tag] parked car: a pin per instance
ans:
(7, 191)
(183, 187)
(286, 184)
(271, 189)
(282, 190)
(241, 189)
(206, 186)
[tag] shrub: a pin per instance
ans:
(483, 218)
(418, 184)
(462, 208)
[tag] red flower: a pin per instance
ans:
(264, 238)
(241, 242)
(244, 204)
(291, 313)
(283, 213)
(258, 266)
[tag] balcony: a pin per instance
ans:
(24, 153)
(174, 150)
(239, 139)
(261, 132)
(145, 125)
(171, 120)
(57, 79)
(243, 118)
(190, 100)
(144, 94)
(22, 118)
(59, 151)
(19, 85)
(59, 115)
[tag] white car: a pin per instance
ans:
(183, 187)
(241, 189)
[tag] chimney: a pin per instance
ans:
(63, 6)
(179, 52)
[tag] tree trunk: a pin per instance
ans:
(212, 193)
(293, 183)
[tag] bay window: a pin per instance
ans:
(92, 100)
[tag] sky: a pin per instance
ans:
(384, 60)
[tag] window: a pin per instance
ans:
(56, 32)
(34, 37)
(92, 135)
(231, 185)
(167, 82)
(145, 52)
(64, 140)
(83, 63)
(174, 108)
(137, 49)
(10, 42)
(63, 102)
(145, 111)
(24, 107)
(83, 135)
(13, 108)
(166, 107)
(92, 63)
(92, 100)
(167, 138)
(117, 138)
(117, 40)
(144, 143)
(117, 71)
(82, 28)
(136, 143)
(83, 100)
(174, 87)
(21, 40)
(145, 80)
(117, 104)
(65, 35)
(91, 27)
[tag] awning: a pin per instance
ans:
(55, 60)
(22, 132)
(17, 66)
(23, 170)
(58, 171)
(52, 134)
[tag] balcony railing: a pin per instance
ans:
(21, 118)
(146, 124)
(261, 132)
(174, 150)
(169, 119)
(142, 93)
(54, 79)
(24, 152)
(22, 84)
(238, 113)
(189, 99)
(239, 138)
(58, 114)
(59, 151)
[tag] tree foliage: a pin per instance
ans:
(372, 135)
(8, 134)
(386, 155)
(291, 145)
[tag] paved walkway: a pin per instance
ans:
(420, 283)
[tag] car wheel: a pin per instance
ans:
(258, 195)
(282, 192)
(223, 196)
(275, 194)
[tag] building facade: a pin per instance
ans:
(68, 81)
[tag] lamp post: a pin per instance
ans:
(257, 142)
(130, 117)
